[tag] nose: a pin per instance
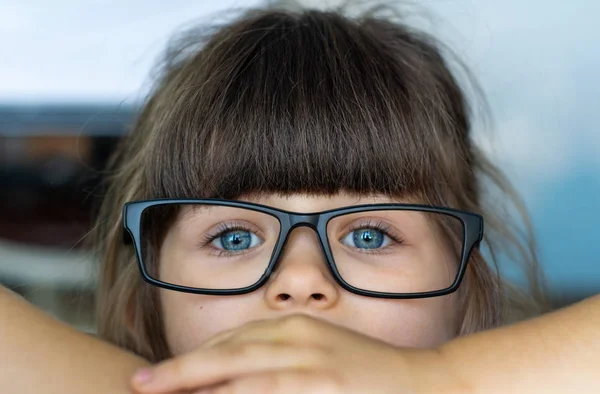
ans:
(302, 279)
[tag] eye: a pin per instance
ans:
(366, 238)
(236, 240)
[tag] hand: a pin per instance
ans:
(296, 354)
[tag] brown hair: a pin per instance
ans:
(303, 101)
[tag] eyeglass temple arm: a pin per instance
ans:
(126, 237)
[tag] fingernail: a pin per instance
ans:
(143, 375)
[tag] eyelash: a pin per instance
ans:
(378, 226)
(222, 228)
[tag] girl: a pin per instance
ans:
(299, 200)
(305, 112)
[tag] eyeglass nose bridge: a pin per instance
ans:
(308, 220)
(295, 220)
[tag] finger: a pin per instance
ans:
(293, 329)
(215, 365)
(264, 333)
(278, 382)
(224, 335)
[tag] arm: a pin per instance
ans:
(38, 354)
(555, 353)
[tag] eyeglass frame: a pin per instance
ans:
(472, 224)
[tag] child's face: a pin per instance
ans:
(301, 274)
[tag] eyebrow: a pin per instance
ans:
(191, 209)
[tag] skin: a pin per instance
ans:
(555, 353)
(39, 354)
(302, 284)
(293, 354)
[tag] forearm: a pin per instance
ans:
(39, 354)
(554, 353)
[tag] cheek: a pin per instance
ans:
(426, 322)
(190, 319)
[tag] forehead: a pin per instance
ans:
(298, 202)
(309, 203)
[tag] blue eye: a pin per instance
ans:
(366, 238)
(236, 240)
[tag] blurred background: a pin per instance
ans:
(73, 74)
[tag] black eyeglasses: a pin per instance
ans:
(224, 247)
